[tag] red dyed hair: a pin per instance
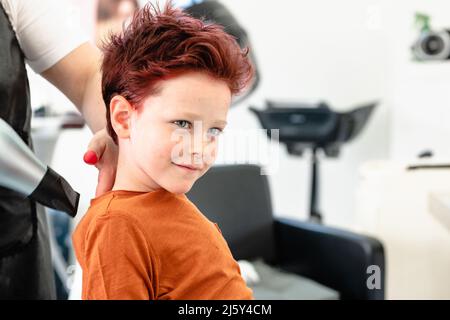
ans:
(160, 44)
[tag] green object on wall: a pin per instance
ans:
(422, 21)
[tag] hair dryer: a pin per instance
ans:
(22, 171)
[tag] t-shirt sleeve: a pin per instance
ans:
(118, 263)
(47, 30)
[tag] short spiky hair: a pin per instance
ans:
(160, 44)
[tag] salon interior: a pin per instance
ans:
(333, 176)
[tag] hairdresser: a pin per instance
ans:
(43, 35)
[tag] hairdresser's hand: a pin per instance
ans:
(103, 152)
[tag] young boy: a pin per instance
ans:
(168, 80)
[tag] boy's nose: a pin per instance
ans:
(199, 142)
(197, 160)
(198, 151)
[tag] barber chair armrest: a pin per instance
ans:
(338, 259)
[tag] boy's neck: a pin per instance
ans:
(127, 178)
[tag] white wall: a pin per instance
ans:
(419, 91)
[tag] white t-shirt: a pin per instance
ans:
(47, 30)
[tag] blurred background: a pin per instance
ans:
(346, 54)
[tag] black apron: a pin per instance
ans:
(25, 259)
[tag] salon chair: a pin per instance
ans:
(310, 255)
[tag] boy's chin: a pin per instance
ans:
(179, 188)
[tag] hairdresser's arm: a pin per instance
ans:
(78, 76)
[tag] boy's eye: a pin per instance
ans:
(215, 132)
(183, 124)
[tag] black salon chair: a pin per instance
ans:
(237, 198)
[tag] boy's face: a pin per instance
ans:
(176, 128)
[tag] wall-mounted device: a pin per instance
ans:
(431, 44)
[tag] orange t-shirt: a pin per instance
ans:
(154, 245)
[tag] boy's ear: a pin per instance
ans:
(120, 112)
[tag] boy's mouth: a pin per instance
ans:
(187, 167)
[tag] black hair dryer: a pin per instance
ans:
(22, 171)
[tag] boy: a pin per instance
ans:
(167, 83)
